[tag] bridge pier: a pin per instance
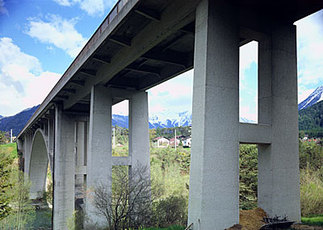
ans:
(64, 170)
(139, 132)
(214, 175)
(278, 163)
(216, 133)
(99, 160)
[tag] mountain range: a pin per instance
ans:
(18, 121)
(312, 99)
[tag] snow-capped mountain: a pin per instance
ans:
(163, 120)
(312, 99)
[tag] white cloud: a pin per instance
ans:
(91, 7)
(23, 83)
(64, 2)
(58, 32)
(3, 10)
(172, 97)
(310, 50)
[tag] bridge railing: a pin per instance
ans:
(113, 13)
(84, 53)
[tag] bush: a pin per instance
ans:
(248, 163)
(311, 192)
(170, 211)
(310, 155)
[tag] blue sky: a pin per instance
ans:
(40, 38)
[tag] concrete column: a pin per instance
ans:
(279, 163)
(214, 175)
(99, 159)
(64, 170)
(81, 149)
(264, 117)
(51, 142)
(139, 130)
(27, 152)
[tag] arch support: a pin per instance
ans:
(38, 165)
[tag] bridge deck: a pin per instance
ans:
(142, 43)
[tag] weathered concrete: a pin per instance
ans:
(38, 166)
(64, 170)
(139, 130)
(99, 160)
(81, 142)
(278, 179)
(214, 175)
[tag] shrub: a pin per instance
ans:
(170, 211)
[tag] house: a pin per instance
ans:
(172, 142)
(187, 142)
(161, 142)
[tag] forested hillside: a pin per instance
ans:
(18, 121)
(311, 120)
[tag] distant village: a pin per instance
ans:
(162, 142)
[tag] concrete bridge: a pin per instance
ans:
(142, 43)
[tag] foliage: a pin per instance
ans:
(76, 221)
(313, 220)
(170, 132)
(310, 155)
(121, 135)
(22, 213)
(310, 120)
(171, 210)
(311, 192)
(128, 205)
(6, 169)
(174, 227)
(3, 138)
(248, 162)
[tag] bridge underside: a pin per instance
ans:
(148, 42)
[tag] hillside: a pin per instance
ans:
(17, 122)
(310, 120)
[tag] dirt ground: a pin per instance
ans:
(253, 220)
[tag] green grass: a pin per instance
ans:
(169, 228)
(314, 220)
(9, 148)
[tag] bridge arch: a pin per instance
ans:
(38, 164)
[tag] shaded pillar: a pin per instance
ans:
(279, 189)
(214, 173)
(64, 170)
(139, 131)
(99, 159)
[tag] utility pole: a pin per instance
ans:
(175, 139)
(10, 135)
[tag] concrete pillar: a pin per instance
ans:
(278, 177)
(139, 131)
(99, 159)
(27, 152)
(51, 142)
(81, 150)
(64, 170)
(214, 175)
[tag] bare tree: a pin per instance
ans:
(128, 204)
